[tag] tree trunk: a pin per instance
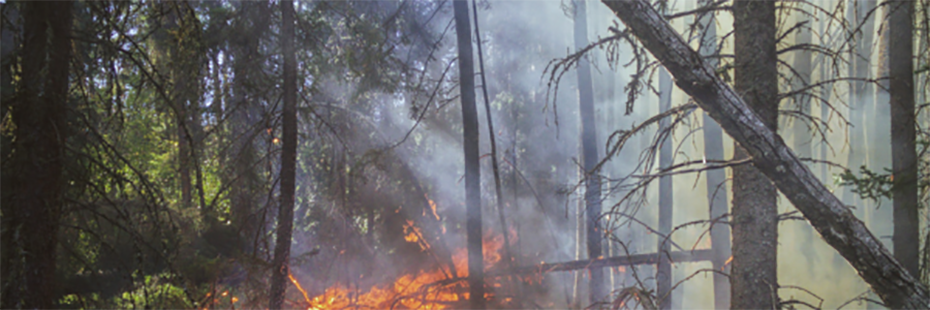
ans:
(35, 192)
(755, 225)
(666, 198)
(836, 224)
(592, 182)
(859, 94)
(472, 168)
(716, 179)
(903, 134)
(282, 248)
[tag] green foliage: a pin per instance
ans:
(870, 185)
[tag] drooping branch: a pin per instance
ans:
(826, 213)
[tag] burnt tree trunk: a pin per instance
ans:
(282, 248)
(472, 168)
(834, 221)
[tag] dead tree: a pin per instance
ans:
(833, 220)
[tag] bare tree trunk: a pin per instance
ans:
(716, 179)
(472, 168)
(836, 224)
(859, 94)
(903, 135)
(755, 225)
(666, 198)
(592, 181)
(34, 191)
(282, 248)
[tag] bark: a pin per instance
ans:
(755, 224)
(34, 191)
(285, 227)
(903, 134)
(716, 189)
(592, 182)
(835, 222)
(472, 168)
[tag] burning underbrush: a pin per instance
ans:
(434, 288)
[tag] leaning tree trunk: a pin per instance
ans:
(716, 179)
(755, 213)
(592, 193)
(903, 134)
(834, 221)
(472, 168)
(282, 248)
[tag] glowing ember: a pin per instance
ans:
(727, 263)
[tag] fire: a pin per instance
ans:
(420, 290)
(412, 234)
(727, 262)
(432, 206)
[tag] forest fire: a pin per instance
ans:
(432, 289)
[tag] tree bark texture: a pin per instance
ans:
(472, 168)
(753, 279)
(282, 248)
(834, 221)
(903, 136)
(33, 192)
(592, 182)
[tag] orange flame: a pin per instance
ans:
(421, 290)
(727, 263)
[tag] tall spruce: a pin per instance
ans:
(282, 249)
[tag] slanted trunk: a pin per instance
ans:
(716, 179)
(592, 195)
(903, 134)
(282, 248)
(834, 221)
(755, 225)
(472, 168)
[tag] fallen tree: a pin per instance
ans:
(834, 221)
